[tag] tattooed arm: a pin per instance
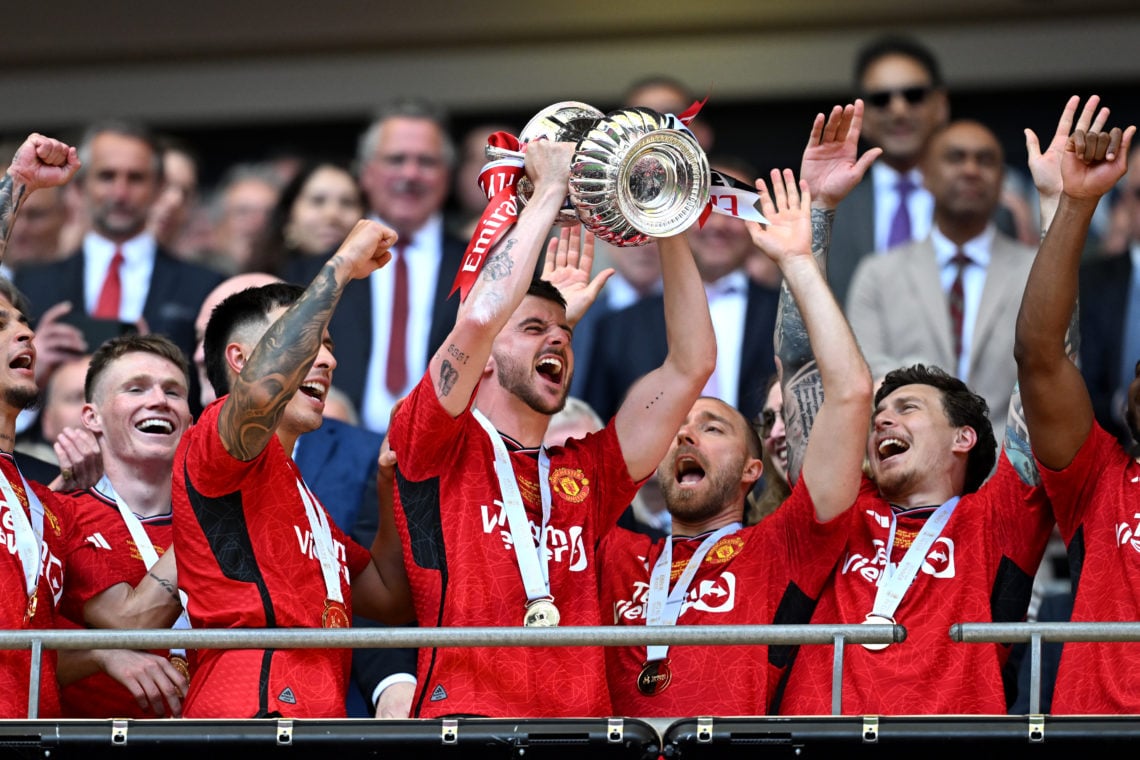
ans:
(831, 167)
(39, 162)
(282, 359)
(1058, 410)
(836, 378)
(458, 365)
(152, 603)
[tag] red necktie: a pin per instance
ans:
(110, 298)
(957, 299)
(396, 378)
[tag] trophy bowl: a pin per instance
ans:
(633, 178)
(566, 121)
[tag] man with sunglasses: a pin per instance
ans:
(906, 102)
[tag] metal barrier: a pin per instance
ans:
(1034, 634)
(309, 638)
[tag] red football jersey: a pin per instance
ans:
(463, 570)
(769, 573)
(1097, 503)
(63, 545)
(246, 559)
(99, 695)
(980, 569)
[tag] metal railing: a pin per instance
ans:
(1034, 634)
(356, 638)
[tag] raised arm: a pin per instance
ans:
(285, 354)
(39, 162)
(456, 367)
(1058, 410)
(831, 167)
(656, 405)
(833, 457)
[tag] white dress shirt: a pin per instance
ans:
(135, 273)
(973, 281)
(422, 253)
(728, 303)
(920, 204)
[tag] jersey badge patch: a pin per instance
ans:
(571, 484)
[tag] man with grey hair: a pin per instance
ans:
(120, 275)
(404, 164)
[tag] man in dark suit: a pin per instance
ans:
(1110, 317)
(120, 275)
(630, 342)
(404, 163)
(905, 99)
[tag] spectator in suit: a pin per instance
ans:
(404, 165)
(1110, 317)
(904, 303)
(120, 273)
(631, 342)
(901, 84)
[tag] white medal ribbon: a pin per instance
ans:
(532, 559)
(894, 581)
(322, 542)
(664, 606)
(29, 534)
(144, 545)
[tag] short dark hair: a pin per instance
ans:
(117, 347)
(242, 309)
(889, 45)
(962, 406)
(541, 288)
(134, 129)
(15, 297)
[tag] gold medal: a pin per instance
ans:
(873, 619)
(181, 665)
(654, 677)
(334, 615)
(33, 602)
(541, 613)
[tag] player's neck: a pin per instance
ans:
(683, 529)
(8, 416)
(511, 416)
(143, 486)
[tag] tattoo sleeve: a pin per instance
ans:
(800, 380)
(10, 199)
(276, 368)
(1017, 444)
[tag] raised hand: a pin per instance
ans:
(788, 232)
(1045, 165)
(1095, 161)
(56, 341)
(548, 165)
(80, 460)
(366, 249)
(567, 266)
(831, 164)
(43, 162)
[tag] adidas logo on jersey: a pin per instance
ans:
(287, 696)
(438, 694)
(98, 540)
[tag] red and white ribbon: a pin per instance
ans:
(497, 180)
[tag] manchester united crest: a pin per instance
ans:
(571, 484)
(725, 549)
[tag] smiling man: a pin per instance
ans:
(137, 408)
(256, 548)
(932, 543)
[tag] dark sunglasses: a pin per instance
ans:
(882, 98)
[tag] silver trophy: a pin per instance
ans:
(633, 175)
